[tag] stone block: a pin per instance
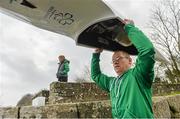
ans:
(95, 109)
(9, 112)
(50, 111)
(174, 104)
(75, 92)
(161, 107)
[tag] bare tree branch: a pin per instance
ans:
(165, 21)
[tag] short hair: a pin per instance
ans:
(123, 52)
(61, 56)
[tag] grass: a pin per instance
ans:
(174, 93)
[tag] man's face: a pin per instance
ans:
(121, 62)
(61, 58)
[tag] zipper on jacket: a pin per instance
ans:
(118, 90)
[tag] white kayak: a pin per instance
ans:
(91, 23)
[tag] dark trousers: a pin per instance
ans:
(63, 78)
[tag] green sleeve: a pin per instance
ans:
(101, 80)
(144, 68)
(66, 68)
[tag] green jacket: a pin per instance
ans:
(130, 94)
(63, 69)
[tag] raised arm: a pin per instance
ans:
(101, 80)
(145, 61)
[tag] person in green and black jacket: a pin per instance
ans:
(63, 69)
(130, 92)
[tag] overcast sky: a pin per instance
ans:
(28, 55)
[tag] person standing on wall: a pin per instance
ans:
(63, 69)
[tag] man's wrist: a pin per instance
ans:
(127, 27)
(96, 55)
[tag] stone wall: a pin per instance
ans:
(82, 92)
(87, 100)
(9, 112)
(75, 92)
(49, 111)
(163, 107)
(68, 110)
(167, 106)
(164, 89)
